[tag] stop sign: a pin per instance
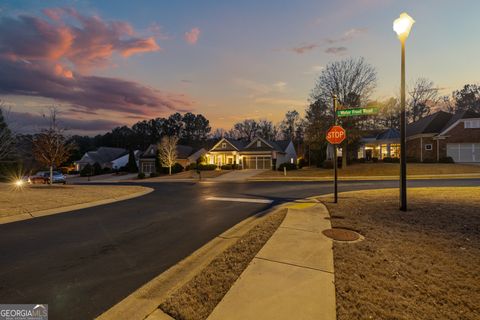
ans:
(336, 135)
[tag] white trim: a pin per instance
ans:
(223, 139)
(455, 124)
(259, 138)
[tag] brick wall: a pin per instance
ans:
(459, 135)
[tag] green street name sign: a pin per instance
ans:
(357, 112)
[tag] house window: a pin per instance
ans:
(472, 124)
(224, 145)
(148, 167)
(428, 147)
(259, 144)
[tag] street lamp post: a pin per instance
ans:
(402, 27)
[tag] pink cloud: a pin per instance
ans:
(192, 36)
(48, 57)
(305, 48)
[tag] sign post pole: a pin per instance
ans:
(335, 162)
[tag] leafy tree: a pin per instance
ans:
(352, 81)
(468, 98)
(50, 146)
(131, 164)
(168, 152)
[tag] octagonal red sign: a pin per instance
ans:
(336, 135)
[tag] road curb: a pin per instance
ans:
(367, 178)
(48, 212)
(143, 303)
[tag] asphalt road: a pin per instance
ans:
(83, 262)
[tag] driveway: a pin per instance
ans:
(238, 175)
(83, 262)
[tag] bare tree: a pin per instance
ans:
(352, 81)
(168, 152)
(7, 140)
(50, 146)
(422, 97)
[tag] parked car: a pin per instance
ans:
(43, 177)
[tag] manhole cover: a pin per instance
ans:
(341, 234)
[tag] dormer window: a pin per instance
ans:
(259, 144)
(224, 145)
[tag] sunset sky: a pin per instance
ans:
(109, 63)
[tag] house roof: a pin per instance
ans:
(104, 155)
(458, 116)
(280, 145)
(183, 151)
(433, 123)
(389, 134)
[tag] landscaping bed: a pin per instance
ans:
(42, 197)
(376, 169)
(197, 298)
(420, 264)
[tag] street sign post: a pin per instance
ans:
(357, 112)
(335, 135)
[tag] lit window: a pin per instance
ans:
(259, 143)
(428, 147)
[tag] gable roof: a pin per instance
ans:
(103, 155)
(280, 145)
(433, 123)
(183, 151)
(459, 116)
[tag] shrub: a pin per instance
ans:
(375, 159)
(301, 163)
(391, 160)
(154, 174)
(106, 170)
(446, 160)
(191, 166)
(226, 167)
(87, 171)
(141, 175)
(97, 168)
(327, 164)
(207, 167)
(288, 166)
(176, 168)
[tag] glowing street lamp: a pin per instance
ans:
(402, 27)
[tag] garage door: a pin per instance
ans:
(464, 152)
(257, 162)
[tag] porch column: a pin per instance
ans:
(388, 150)
(364, 152)
(380, 153)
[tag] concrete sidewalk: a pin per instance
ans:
(291, 277)
(238, 175)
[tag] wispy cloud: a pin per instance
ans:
(305, 48)
(280, 102)
(192, 36)
(336, 50)
(345, 37)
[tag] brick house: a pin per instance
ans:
(443, 134)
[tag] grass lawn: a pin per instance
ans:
(377, 169)
(420, 264)
(41, 197)
(198, 297)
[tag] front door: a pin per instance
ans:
(368, 154)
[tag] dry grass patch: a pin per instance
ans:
(422, 264)
(197, 298)
(41, 197)
(377, 169)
